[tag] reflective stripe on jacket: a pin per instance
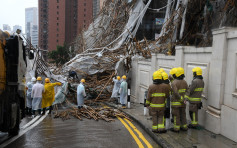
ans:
(194, 93)
(156, 97)
(179, 88)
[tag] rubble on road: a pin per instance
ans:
(98, 113)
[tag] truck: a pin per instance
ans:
(12, 82)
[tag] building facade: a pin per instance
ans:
(6, 27)
(31, 23)
(16, 27)
(96, 8)
(60, 21)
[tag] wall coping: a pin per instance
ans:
(162, 56)
(193, 49)
(223, 30)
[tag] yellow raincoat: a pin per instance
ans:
(49, 95)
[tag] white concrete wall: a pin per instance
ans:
(219, 64)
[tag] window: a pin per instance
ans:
(84, 26)
(57, 41)
(57, 18)
(84, 21)
(57, 35)
(57, 24)
(84, 10)
(84, 15)
(57, 1)
(84, 4)
(57, 7)
(57, 29)
(57, 12)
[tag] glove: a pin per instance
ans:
(200, 105)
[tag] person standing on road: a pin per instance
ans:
(81, 94)
(117, 83)
(194, 96)
(179, 88)
(29, 87)
(37, 92)
(49, 95)
(123, 91)
(156, 97)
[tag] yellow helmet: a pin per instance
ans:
(198, 71)
(165, 76)
(39, 79)
(194, 69)
(157, 75)
(161, 70)
(83, 80)
(118, 78)
(173, 71)
(181, 70)
(124, 77)
(47, 80)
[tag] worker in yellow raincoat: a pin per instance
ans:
(48, 95)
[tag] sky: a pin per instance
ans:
(12, 12)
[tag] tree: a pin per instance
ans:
(59, 56)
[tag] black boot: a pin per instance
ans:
(30, 111)
(27, 111)
(44, 109)
(33, 113)
(50, 109)
(39, 111)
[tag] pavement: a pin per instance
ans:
(193, 138)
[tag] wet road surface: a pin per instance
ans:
(74, 133)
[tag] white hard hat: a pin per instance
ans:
(33, 79)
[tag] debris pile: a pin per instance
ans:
(190, 22)
(106, 114)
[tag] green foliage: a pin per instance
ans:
(59, 56)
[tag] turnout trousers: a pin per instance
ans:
(158, 120)
(193, 112)
(179, 116)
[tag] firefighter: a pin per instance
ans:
(123, 91)
(166, 81)
(115, 93)
(194, 96)
(49, 95)
(157, 94)
(37, 92)
(179, 88)
(81, 94)
(28, 95)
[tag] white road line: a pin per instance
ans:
(31, 122)
(24, 131)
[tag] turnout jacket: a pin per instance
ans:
(157, 95)
(179, 88)
(194, 93)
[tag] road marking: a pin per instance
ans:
(24, 131)
(139, 134)
(31, 122)
(132, 133)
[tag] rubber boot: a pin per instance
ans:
(30, 111)
(44, 109)
(39, 111)
(27, 111)
(50, 109)
(33, 113)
